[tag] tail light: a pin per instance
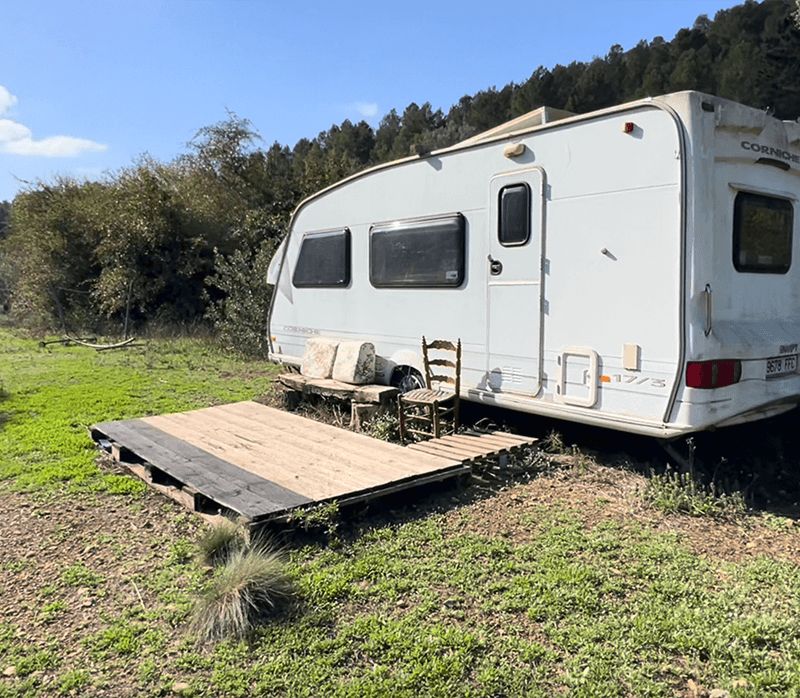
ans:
(713, 374)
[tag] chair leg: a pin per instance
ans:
(401, 417)
(437, 427)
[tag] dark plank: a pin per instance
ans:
(227, 484)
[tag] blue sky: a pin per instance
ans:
(88, 86)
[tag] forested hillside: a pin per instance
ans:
(191, 239)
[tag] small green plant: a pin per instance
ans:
(681, 493)
(385, 426)
(554, 443)
(78, 575)
(71, 681)
(318, 516)
(242, 594)
(776, 523)
(181, 551)
(219, 543)
(51, 610)
(122, 639)
(581, 461)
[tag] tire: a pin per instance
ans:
(406, 378)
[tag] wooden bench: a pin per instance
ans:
(365, 400)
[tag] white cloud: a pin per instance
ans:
(53, 147)
(18, 139)
(367, 109)
(12, 131)
(7, 100)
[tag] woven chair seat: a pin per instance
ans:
(426, 396)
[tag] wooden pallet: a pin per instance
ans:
(257, 463)
(473, 447)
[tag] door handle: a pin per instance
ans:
(495, 266)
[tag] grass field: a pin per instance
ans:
(560, 581)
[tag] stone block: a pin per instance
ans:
(355, 363)
(319, 356)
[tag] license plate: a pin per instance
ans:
(781, 366)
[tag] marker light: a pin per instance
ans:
(628, 127)
(713, 374)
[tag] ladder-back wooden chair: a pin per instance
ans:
(431, 412)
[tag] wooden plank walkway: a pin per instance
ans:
(474, 447)
(257, 463)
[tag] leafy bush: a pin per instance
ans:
(238, 290)
(385, 426)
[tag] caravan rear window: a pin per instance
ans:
(418, 253)
(762, 233)
(324, 259)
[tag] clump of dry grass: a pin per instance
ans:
(244, 592)
(221, 542)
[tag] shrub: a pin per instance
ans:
(676, 493)
(219, 543)
(385, 426)
(238, 291)
(242, 594)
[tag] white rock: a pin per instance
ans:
(318, 357)
(355, 363)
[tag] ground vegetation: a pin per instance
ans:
(569, 572)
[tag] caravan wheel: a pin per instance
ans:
(406, 378)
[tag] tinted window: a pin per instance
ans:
(324, 259)
(514, 222)
(418, 253)
(762, 233)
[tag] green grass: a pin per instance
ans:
(52, 396)
(553, 604)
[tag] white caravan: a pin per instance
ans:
(634, 268)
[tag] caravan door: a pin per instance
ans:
(514, 281)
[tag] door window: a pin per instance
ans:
(514, 221)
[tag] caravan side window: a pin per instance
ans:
(324, 259)
(418, 253)
(514, 221)
(762, 233)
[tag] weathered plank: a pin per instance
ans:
(233, 487)
(501, 438)
(472, 447)
(328, 387)
(314, 459)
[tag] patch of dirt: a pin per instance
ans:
(599, 493)
(108, 536)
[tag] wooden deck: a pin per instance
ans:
(257, 463)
